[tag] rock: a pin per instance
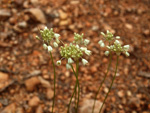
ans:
(44, 82)
(129, 26)
(22, 24)
(87, 106)
(4, 13)
(64, 22)
(49, 93)
(38, 14)
(32, 83)
(10, 108)
(34, 2)
(34, 101)
(62, 15)
(39, 109)
(3, 77)
(20, 110)
(121, 93)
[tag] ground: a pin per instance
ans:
(26, 75)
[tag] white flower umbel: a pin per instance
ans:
(58, 62)
(55, 44)
(45, 46)
(88, 52)
(68, 66)
(49, 48)
(70, 61)
(84, 61)
(107, 53)
(126, 47)
(86, 42)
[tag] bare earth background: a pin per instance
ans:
(25, 66)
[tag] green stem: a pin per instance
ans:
(54, 81)
(110, 85)
(77, 71)
(110, 59)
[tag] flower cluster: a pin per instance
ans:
(74, 52)
(114, 44)
(48, 37)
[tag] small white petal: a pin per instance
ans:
(117, 37)
(102, 33)
(68, 66)
(126, 47)
(86, 42)
(116, 42)
(108, 31)
(102, 45)
(100, 42)
(44, 46)
(83, 48)
(70, 61)
(58, 62)
(88, 52)
(106, 53)
(56, 35)
(55, 44)
(127, 54)
(77, 46)
(50, 48)
(84, 61)
(45, 28)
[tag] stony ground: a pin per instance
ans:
(26, 69)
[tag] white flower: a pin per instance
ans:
(44, 46)
(100, 42)
(88, 52)
(45, 28)
(126, 47)
(58, 62)
(106, 53)
(116, 42)
(83, 48)
(55, 44)
(70, 61)
(102, 45)
(127, 54)
(102, 34)
(49, 48)
(56, 35)
(77, 46)
(117, 37)
(84, 61)
(68, 66)
(86, 42)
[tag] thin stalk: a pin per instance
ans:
(74, 89)
(54, 81)
(77, 72)
(71, 98)
(110, 59)
(110, 85)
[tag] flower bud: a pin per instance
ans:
(86, 42)
(45, 28)
(88, 52)
(126, 47)
(117, 37)
(49, 48)
(102, 45)
(127, 54)
(100, 42)
(68, 66)
(56, 35)
(102, 34)
(55, 44)
(106, 53)
(58, 62)
(84, 61)
(83, 48)
(70, 61)
(116, 42)
(44, 46)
